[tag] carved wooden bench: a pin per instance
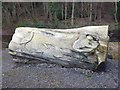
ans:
(84, 47)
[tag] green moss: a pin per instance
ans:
(113, 50)
(102, 49)
(115, 56)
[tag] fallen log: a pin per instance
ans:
(84, 47)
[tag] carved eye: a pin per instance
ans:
(90, 43)
(89, 37)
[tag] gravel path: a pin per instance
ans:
(51, 76)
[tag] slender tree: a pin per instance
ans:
(100, 11)
(72, 16)
(81, 9)
(14, 12)
(65, 12)
(116, 11)
(62, 11)
(95, 11)
(47, 9)
(7, 15)
(32, 7)
(90, 16)
(44, 7)
(35, 10)
(88, 11)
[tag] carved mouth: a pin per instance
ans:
(86, 47)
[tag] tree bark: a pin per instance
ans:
(100, 12)
(90, 16)
(33, 13)
(47, 10)
(116, 11)
(7, 15)
(65, 12)
(62, 11)
(14, 12)
(72, 16)
(95, 11)
(88, 12)
(35, 10)
(81, 9)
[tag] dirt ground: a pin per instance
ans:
(16, 75)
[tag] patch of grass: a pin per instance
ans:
(39, 25)
(114, 26)
(89, 77)
(113, 50)
(34, 24)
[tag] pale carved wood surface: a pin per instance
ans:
(84, 47)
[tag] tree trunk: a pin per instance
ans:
(49, 11)
(81, 9)
(88, 12)
(72, 16)
(90, 17)
(32, 9)
(100, 12)
(7, 15)
(62, 11)
(65, 12)
(14, 12)
(35, 10)
(45, 7)
(116, 11)
(95, 11)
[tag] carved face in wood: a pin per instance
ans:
(86, 42)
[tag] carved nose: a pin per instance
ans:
(89, 38)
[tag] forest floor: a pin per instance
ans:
(16, 75)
